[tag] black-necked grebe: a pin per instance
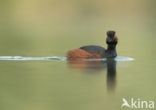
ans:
(93, 51)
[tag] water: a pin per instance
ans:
(39, 80)
(35, 36)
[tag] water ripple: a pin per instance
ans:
(26, 58)
(55, 58)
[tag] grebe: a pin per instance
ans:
(94, 51)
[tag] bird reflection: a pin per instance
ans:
(94, 66)
(111, 74)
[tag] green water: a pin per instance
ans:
(56, 85)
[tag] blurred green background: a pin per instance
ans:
(52, 27)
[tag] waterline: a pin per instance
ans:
(55, 58)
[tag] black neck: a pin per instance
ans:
(111, 51)
(111, 47)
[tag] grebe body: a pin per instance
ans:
(94, 51)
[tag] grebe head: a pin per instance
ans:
(111, 41)
(111, 33)
(111, 38)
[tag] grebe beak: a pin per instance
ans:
(110, 39)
